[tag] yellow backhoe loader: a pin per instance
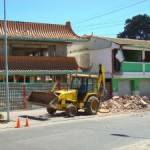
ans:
(84, 92)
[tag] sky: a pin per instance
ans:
(98, 17)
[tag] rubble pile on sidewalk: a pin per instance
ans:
(125, 103)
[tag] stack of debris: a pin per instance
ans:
(125, 103)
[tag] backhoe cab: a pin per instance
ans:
(84, 92)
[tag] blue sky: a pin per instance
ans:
(103, 18)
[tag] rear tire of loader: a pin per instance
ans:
(92, 106)
(71, 110)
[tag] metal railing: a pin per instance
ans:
(135, 67)
(17, 92)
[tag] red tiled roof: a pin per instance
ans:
(38, 31)
(39, 63)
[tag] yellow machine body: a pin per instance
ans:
(66, 97)
(84, 92)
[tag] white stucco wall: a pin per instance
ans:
(93, 44)
(99, 51)
(100, 56)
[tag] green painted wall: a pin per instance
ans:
(135, 84)
(115, 85)
(147, 67)
(134, 67)
(131, 67)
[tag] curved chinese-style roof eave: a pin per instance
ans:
(39, 32)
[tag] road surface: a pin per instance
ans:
(120, 133)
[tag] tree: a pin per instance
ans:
(137, 28)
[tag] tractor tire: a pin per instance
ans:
(51, 111)
(71, 110)
(92, 105)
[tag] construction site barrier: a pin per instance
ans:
(18, 92)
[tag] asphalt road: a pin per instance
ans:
(97, 134)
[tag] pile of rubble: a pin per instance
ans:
(125, 103)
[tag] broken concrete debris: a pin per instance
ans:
(125, 103)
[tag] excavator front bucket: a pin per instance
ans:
(42, 98)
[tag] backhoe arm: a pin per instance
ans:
(101, 81)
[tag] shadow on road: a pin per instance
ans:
(129, 136)
(46, 116)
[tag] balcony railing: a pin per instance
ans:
(135, 67)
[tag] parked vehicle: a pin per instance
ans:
(84, 92)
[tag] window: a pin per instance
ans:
(147, 56)
(75, 84)
(92, 84)
(52, 50)
(132, 55)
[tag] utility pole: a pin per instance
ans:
(6, 64)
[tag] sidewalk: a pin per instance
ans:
(51, 120)
(58, 118)
(15, 114)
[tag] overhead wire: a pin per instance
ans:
(101, 25)
(112, 11)
(95, 26)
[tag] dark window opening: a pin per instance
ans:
(147, 56)
(52, 50)
(132, 55)
(21, 51)
(116, 63)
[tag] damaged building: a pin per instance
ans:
(127, 63)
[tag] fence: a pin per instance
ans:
(17, 91)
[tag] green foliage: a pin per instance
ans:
(137, 28)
